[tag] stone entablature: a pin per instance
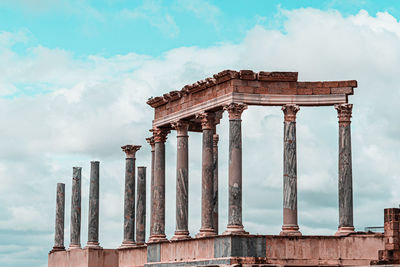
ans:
(247, 87)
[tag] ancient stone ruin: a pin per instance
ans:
(199, 108)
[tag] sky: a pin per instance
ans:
(75, 77)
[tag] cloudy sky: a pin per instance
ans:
(75, 76)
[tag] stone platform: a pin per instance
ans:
(248, 250)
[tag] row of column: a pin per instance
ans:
(93, 218)
(209, 202)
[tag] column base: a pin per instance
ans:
(204, 232)
(235, 230)
(157, 238)
(344, 230)
(290, 230)
(181, 235)
(93, 245)
(55, 249)
(127, 244)
(74, 246)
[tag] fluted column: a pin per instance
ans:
(129, 199)
(182, 185)
(141, 206)
(215, 183)
(157, 229)
(93, 227)
(290, 226)
(76, 209)
(150, 140)
(207, 185)
(60, 214)
(235, 225)
(345, 170)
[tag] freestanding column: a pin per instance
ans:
(60, 212)
(157, 228)
(345, 170)
(215, 184)
(150, 140)
(93, 229)
(76, 209)
(129, 202)
(290, 226)
(235, 225)
(141, 206)
(207, 188)
(182, 185)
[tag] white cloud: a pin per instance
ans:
(85, 109)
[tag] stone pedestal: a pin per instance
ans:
(207, 185)
(141, 207)
(157, 229)
(93, 222)
(290, 226)
(76, 209)
(345, 171)
(60, 214)
(182, 181)
(129, 199)
(235, 225)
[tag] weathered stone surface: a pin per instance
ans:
(151, 142)
(290, 226)
(93, 221)
(345, 178)
(129, 198)
(141, 206)
(182, 183)
(215, 184)
(60, 214)
(76, 209)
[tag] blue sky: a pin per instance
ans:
(75, 77)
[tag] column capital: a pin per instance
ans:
(215, 139)
(160, 134)
(235, 110)
(207, 120)
(130, 150)
(181, 127)
(151, 142)
(344, 113)
(290, 111)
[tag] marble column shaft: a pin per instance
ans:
(129, 198)
(345, 169)
(150, 140)
(141, 206)
(290, 226)
(60, 214)
(182, 182)
(215, 184)
(93, 228)
(207, 184)
(235, 168)
(157, 229)
(75, 241)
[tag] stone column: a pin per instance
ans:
(215, 183)
(290, 226)
(141, 206)
(182, 185)
(235, 225)
(129, 200)
(150, 140)
(76, 209)
(345, 171)
(60, 212)
(157, 228)
(93, 229)
(207, 188)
